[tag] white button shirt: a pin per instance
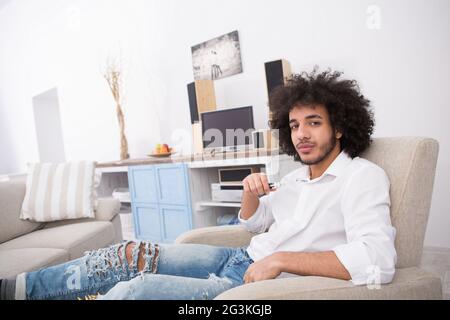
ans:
(346, 210)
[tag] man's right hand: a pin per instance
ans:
(256, 184)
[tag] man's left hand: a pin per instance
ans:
(267, 268)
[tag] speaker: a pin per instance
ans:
(202, 98)
(197, 137)
(265, 139)
(277, 74)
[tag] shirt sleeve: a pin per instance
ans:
(369, 254)
(262, 219)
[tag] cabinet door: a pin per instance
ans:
(172, 184)
(175, 220)
(142, 184)
(147, 222)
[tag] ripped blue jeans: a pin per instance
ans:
(171, 271)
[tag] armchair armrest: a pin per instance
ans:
(227, 236)
(408, 283)
(107, 209)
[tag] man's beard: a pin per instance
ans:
(325, 150)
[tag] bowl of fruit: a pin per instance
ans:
(162, 150)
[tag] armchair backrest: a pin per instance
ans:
(410, 163)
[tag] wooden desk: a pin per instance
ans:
(190, 158)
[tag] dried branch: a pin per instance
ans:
(113, 76)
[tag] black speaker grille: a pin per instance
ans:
(192, 102)
(274, 75)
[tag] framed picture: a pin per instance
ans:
(217, 58)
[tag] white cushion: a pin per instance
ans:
(59, 191)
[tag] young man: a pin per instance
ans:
(328, 218)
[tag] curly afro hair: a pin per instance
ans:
(348, 109)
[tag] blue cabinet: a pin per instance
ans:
(147, 222)
(143, 188)
(161, 201)
(172, 184)
(174, 221)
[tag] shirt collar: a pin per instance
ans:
(335, 169)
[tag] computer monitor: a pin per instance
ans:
(227, 129)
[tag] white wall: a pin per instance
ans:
(65, 44)
(403, 67)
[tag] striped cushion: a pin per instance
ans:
(59, 191)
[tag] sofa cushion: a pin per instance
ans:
(106, 210)
(59, 191)
(12, 192)
(16, 261)
(74, 238)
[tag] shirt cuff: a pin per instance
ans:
(254, 223)
(249, 220)
(243, 221)
(355, 259)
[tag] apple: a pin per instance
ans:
(165, 148)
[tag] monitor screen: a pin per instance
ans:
(227, 129)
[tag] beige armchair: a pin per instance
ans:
(410, 163)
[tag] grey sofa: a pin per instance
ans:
(27, 246)
(410, 163)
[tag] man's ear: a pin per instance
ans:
(338, 134)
